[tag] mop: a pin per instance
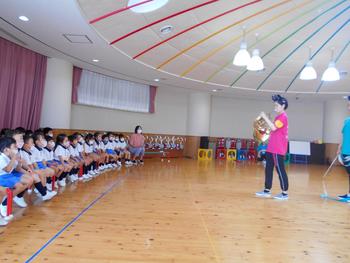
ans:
(325, 193)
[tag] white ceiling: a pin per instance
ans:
(51, 19)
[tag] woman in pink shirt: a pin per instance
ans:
(277, 149)
(137, 145)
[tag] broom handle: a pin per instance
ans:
(330, 167)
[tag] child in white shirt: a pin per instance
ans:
(12, 175)
(62, 156)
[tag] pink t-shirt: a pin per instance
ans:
(278, 142)
(137, 140)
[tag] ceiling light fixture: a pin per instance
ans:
(242, 57)
(23, 18)
(331, 73)
(308, 72)
(255, 63)
(144, 6)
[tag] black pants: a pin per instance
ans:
(347, 166)
(275, 160)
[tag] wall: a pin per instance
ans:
(170, 116)
(234, 118)
(175, 108)
(198, 115)
(229, 117)
(335, 113)
(57, 94)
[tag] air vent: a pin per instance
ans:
(78, 39)
(166, 29)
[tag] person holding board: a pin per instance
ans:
(276, 149)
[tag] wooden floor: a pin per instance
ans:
(185, 211)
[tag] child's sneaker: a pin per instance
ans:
(92, 173)
(49, 195)
(344, 197)
(49, 186)
(281, 196)
(264, 193)
(71, 178)
(3, 212)
(36, 191)
(62, 182)
(20, 201)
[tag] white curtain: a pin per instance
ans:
(99, 90)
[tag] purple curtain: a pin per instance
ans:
(22, 78)
(75, 83)
(152, 99)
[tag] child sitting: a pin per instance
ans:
(99, 150)
(61, 156)
(89, 153)
(38, 158)
(75, 159)
(12, 175)
(38, 175)
(48, 132)
(48, 153)
(110, 149)
(122, 148)
(26, 166)
(85, 159)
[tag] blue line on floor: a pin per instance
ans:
(73, 220)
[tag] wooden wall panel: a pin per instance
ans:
(170, 153)
(191, 147)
